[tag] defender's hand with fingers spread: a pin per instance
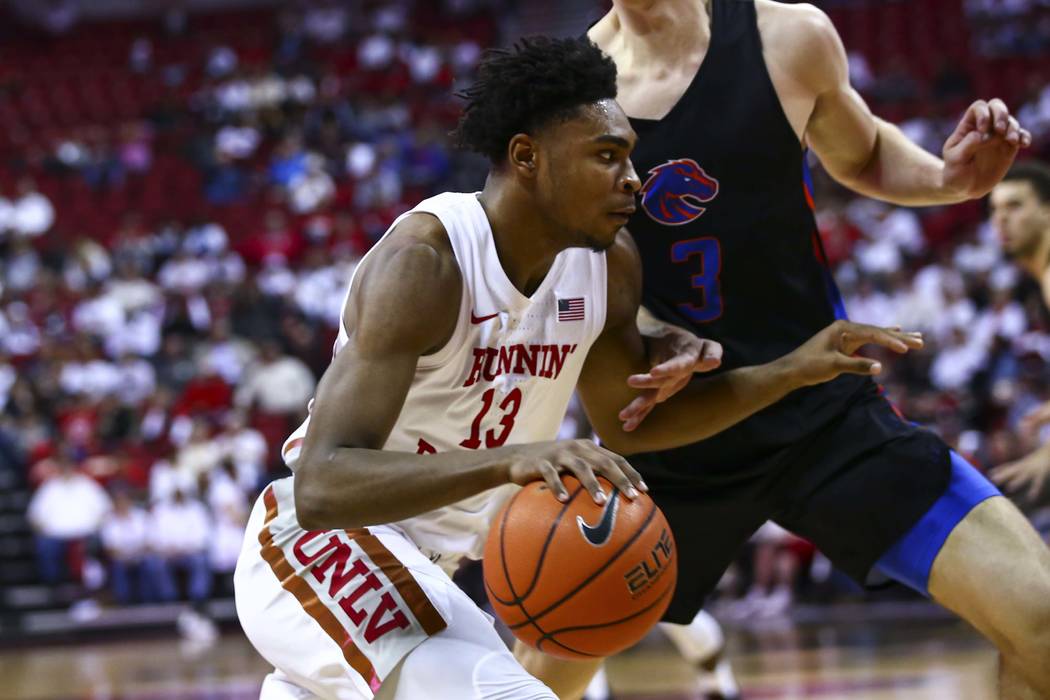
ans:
(1030, 474)
(582, 458)
(676, 355)
(1036, 419)
(831, 351)
(982, 148)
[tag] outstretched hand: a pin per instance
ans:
(676, 356)
(831, 351)
(982, 148)
(1030, 474)
(1035, 420)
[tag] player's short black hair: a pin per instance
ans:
(536, 82)
(1034, 172)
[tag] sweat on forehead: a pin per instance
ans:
(601, 120)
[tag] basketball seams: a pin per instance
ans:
(540, 638)
(517, 600)
(667, 591)
(547, 542)
(597, 572)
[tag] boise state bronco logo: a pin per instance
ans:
(675, 190)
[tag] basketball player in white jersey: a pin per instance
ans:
(464, 333)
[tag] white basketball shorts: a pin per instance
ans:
(337, 611)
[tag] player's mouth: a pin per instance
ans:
(623, 214)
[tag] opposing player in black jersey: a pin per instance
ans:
(726, 96)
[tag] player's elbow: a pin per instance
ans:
(318, 504)
(310, 503)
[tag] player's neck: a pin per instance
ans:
(524, 242)
(651, 32)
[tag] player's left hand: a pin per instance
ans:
(1030, 474)
(676, 356)
(982, 148)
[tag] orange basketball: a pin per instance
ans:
(575, 579)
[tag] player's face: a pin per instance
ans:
(1019, 218)
(587, 183)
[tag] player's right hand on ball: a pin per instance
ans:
(831, 351)
(581, 458)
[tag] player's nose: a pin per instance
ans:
(631, 182)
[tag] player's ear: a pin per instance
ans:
(522, 153)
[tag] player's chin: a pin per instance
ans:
(600, 244)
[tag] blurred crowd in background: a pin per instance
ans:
(183, 200)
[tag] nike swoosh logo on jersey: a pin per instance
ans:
(599, 534)
(481, 319)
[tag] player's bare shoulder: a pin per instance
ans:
(801, 39)
(408, 286)
(624, 265)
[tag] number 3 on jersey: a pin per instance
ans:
(708, 281)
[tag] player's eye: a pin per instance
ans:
(607, 155)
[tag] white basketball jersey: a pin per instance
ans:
(506, 375)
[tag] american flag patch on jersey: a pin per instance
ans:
(570, 309)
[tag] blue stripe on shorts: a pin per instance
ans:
(911, 558)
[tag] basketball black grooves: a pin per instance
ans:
(549, 636)
(597, 572)
(518, 601)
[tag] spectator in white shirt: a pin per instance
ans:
(229, 508)
(129, 289)
(65, 511)
(33, 213)
(184, 273)
(957, 363)
(246, 448)
(200, 455)
(138, 380)
(313, 188)
(123, 536)
(237, 141)
(99, 314)
(179, 538)
(277, 384)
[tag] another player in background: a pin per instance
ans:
(726, 96)
(1020, 208)
(464, 332)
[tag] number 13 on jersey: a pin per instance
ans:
(705, 253)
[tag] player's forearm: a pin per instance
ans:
(706, 408)
(900, 172)
(351, 487)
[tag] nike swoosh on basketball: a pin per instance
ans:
(481, 319)
(599, 534)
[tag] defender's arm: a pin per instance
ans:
(707, 406)
(872, 156)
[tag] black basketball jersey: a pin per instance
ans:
(728, 240)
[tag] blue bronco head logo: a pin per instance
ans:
(675, 190)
